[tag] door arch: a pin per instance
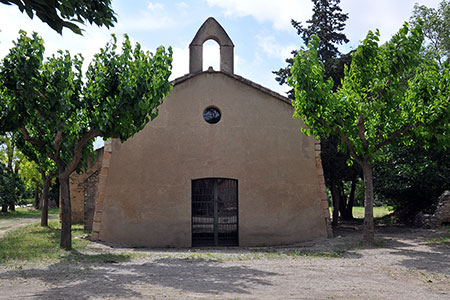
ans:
(214, 212)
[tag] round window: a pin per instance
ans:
(212, 115)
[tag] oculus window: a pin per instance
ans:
(212, 115)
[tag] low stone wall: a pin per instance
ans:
(440, 216)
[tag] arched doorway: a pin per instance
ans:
(215, 212)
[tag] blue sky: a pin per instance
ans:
(260, 29)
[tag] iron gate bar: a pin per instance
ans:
(215, 212)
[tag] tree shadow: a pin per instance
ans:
(106, 278)
(413, 247)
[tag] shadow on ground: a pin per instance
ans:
(413, 247)
(113, 279)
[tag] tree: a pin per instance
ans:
(412, 178)
(67, 13)
(55, 109)
(327, 23)
(10, 157)
(390, 93)
(436, 29)
(45, 167)
(30, 175)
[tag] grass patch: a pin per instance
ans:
(439, 240)
(35, 243)
(378, 211)
(27, 212)
(262, 254)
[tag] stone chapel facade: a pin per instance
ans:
(223, 164)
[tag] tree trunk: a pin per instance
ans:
(342, 200)
(369, 230)
(4, 208)
(66, 213)
(335, 197)
(36, 198)
(44, 199)
(12, 207)
(351, 200)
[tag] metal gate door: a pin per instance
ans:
(214, 212)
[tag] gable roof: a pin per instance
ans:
(238, 78)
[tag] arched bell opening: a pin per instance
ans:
(211, 55)
(211, 29)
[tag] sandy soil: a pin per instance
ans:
(403, 265)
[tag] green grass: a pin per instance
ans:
(36, 243)
(444, 239)
(258, 254)
(378, 211)
(439, 240)
(27, 212)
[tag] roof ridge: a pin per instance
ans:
(239, 78)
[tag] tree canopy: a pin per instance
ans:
(67, 13)
(389, 93)
(60, 112)
(328, 23)
(436, 29)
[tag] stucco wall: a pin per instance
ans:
(147, 198)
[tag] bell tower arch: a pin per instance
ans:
(211, 29)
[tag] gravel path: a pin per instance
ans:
(404, 265)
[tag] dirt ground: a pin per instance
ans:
(403, 265)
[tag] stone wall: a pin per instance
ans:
(90, 197)
(440, 216)
(323, 189)
(78, 183)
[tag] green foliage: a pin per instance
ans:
(126, 88)
(327, 23)
(12, 187)
(59, 114)
(436, 28)
(7, 189)
(389, 93)
(68, 13)
(412, 178)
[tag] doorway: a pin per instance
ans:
(214, 212)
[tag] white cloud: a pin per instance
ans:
(11, 21)
(181, 5)
(272, 49)
(180, 63)
(279, 13)
(155, 17)
(386, 15)
(156, 6)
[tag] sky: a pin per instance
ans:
(260, 30)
